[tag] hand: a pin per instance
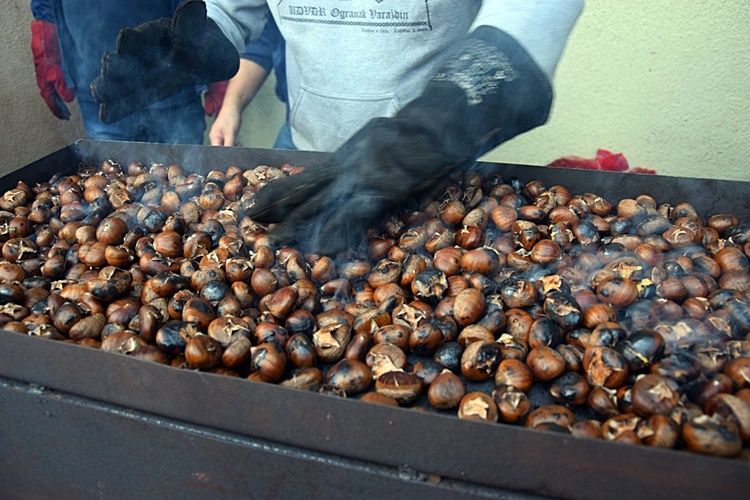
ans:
(214, 98)
(326, 208)
(487, 93)
(48, 66)
(159, 58)
(238, 93)
(225, 127)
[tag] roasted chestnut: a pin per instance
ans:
(513, 404)
(268, 361)
(300, 351)
(402, 386)
(468, 307)
(654, 394)
(478, 406)
(446, 391)
(605, 367)
(545, 363)
(449, 355)
(550, 414)
(480, 360)
(571, 388)
(658, 431)
(425, 339)
(514, 373)
(202, 352)
(330, 341)
(712, 435)
(641, 349)
(306, 379)
(351, 376)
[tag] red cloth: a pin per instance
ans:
(48, 66)
(604, 160)
(214, 98)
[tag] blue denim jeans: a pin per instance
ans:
(284, 139)
(179, 119)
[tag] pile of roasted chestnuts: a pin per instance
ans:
(489, 298)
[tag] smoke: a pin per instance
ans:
(333, 219)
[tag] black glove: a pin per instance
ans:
(489, 92)
(160, 58)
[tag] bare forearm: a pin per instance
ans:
(244, 85)
(241, 89)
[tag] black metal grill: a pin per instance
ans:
(78, 422)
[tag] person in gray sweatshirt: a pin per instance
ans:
(399, 92)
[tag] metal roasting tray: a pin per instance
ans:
(77, 422)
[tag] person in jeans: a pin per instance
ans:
(67, 41)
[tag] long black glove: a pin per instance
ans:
(489, 92)
(159, 58)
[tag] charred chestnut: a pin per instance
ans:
(571, 388)
(449, 355)
(478, 406)
(654, 394)
(351, 376)
(512, 403)
(605, 367)
(402, 386)
(268, 361)
(300, 351)
(641, 349)
(711, 435)
(480, 360)
(562, 309)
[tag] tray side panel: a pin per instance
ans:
(60, 446)
(495, 456)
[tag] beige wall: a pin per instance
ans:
(28, 130)
(665, 83)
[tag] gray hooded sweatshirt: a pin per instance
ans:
(349, 61)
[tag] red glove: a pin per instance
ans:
(48, 65)
(214, 98)
(605, 160)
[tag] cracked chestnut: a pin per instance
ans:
(478, 406)
(402, 386)
(654, 394)
(605, 367)
(480, 360)
(712, 435)
(513, 403)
